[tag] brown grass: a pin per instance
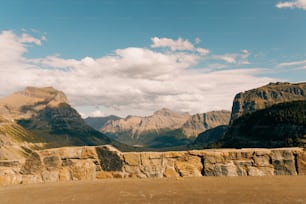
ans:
(284, 189)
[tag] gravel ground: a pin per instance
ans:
(274, 189)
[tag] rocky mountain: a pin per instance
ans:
(45, 112)
(201, 122)
(165, 128)
(281, 125)
(266, 96)
(99, 122)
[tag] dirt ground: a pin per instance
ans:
(277, 189)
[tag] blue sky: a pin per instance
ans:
(103, 54)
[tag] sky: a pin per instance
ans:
(133, 57)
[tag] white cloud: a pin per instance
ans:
(197, 40)
(129, 81)
(174, 45)
(234, 58)
(26, 38)
(179, 44)
(292, 4)
(293, 63)
(97, 113)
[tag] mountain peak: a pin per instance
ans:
(167, 112)
(25, 103)
(163, 111)
(46, 93)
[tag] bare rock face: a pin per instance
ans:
(201, 122)
(266, 96)
(24, 104)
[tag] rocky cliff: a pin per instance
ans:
(89, 163)
(199, 123)
(266, 96)
(163, 128)
(281, 125)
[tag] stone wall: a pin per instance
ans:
(89, 163)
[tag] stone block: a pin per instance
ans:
(301, 163)
(170, 172)
(33, 164)
(64, 174)
(262, 160)
(110, 159)
(83, 170)
(260, 171)
(283, 162)
(104, 175)
(51, 175)
(214, 157)
(132, 159)
(89, 153)
(70, 152)
(229, 169)
(52, 161)
(191, 166)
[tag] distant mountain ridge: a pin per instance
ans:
(164, 128)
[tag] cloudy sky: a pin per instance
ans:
(136, 56)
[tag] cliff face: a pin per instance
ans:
(90, 163)
(201, 122)
(266, 96)
(281, 125)
(163, 128)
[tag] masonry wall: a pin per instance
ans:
(89, 163)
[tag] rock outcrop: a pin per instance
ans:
(89, 163)
(266, 96)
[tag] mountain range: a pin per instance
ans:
(165, 128)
